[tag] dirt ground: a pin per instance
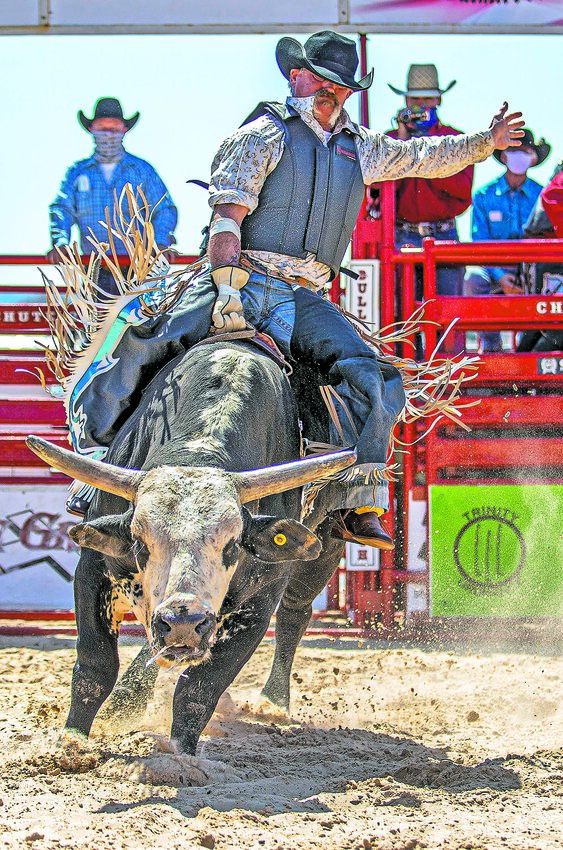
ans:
(387, 746)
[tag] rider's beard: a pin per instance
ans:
(319, 112)
(311, 105)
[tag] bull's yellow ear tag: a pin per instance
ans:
(280, 539)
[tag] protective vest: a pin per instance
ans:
(310, 201)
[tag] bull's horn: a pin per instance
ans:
(257, 483)
(104, 476)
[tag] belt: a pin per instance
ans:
(426, 228)
(300, 281)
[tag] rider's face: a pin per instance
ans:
(329, 96)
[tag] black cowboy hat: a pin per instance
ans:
(542, 148)
(107, 107)
(328, 54)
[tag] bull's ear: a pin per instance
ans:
(110, 535)
(274, 539)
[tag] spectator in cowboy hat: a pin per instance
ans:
(500, 211)
(428, 207)
(91, 185)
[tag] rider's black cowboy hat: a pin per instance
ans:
(328, 54)
(542, 148)
(107, 107)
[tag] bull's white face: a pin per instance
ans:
(186, 527)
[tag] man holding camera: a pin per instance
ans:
(428, 207)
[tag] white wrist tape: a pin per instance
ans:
(226, 293)
(224, 225)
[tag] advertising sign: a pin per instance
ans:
(445, 15)
(37, 557)
(496, 551)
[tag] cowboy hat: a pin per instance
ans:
(107, 107)
(422, 81)
(328, 54)
(542, 148)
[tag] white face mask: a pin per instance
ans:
(109, 145)
(518, 162)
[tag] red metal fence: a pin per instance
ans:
(447, 454)
(374, 598)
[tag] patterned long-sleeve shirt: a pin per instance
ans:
(245, 159)
(85, 194)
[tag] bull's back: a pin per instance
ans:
(220, 404)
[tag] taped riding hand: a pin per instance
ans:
(227, 313)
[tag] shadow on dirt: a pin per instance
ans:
(285, 769)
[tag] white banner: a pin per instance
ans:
(173, 16)
(37, 557)
(417, 557)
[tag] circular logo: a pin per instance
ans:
(489, 552)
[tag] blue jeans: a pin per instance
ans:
(449, 279)
(318, 332)
(479, 281)
(269, 305)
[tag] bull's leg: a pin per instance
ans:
(307, 580)
(198, 690)
(134, 690)
(97, 665)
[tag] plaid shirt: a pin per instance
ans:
(84, 195)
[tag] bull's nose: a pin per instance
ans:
(181, 626)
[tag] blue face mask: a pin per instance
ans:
(421, 127)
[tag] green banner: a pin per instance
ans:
(496, 551)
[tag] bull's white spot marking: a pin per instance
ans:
(229, 404)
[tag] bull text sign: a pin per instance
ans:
(362, 294)
(496, 550)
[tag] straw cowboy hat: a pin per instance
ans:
(107, 107)
(328, 54)
(422, 81)
(542, 148)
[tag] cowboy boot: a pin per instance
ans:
(363, 526)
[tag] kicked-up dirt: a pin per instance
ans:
(387, 746)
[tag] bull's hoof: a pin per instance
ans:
(276, 699)
(265, 709)
(76, 753)
(169, 769)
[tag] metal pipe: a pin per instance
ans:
(364, 102)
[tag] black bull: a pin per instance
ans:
(204, 557)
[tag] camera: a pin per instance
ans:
(411, 116)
